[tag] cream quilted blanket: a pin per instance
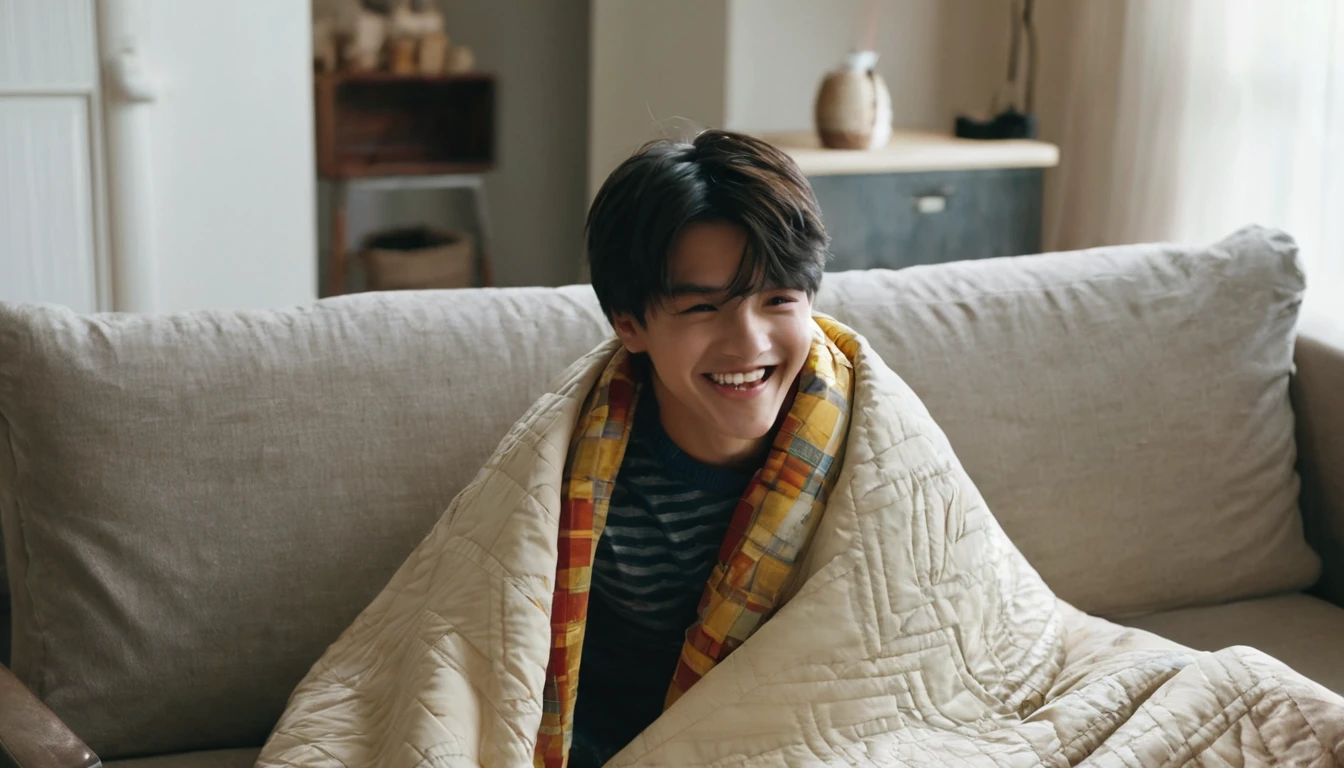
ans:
(920, 636)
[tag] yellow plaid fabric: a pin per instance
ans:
(772, 523)
(778, 512)
(595, 454)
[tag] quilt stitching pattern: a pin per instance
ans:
(919, 635)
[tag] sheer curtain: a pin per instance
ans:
(1185, 119)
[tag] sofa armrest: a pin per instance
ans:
(31, 736)
(1318, 401)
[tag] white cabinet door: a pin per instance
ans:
(51, 248)
(231, 161)
(46, 202)
(184, 182)
(47, 45)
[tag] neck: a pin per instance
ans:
(706, 445)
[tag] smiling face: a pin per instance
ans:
(722, 367)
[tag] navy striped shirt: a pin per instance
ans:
(667, 520)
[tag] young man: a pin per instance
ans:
(651, 512)
(641, 520)
(705, 256)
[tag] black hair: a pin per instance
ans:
(650, 198)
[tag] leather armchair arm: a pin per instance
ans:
(31, 736)
(1318, 401)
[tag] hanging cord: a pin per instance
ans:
(1030, 98)
(1014, 52)
(1014, 92)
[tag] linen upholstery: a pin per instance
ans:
(161, 475)
(1302, 631)
(194, 505)
(1124, 411)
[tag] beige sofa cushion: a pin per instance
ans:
(194, 506)
(1304, 632)
(1124, 411)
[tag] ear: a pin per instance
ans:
(631, 332)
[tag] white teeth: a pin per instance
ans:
(738, 379)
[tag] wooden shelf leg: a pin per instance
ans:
(337, 268)
(486, 268)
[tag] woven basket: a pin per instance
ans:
(418, 257)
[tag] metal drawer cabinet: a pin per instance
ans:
(895, 220)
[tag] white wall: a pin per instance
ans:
(199, 198)
(755, 65)
(779, 50)
(657, 69)
(938, 57)
(539, 50)
(232, 153)
(1059, 40)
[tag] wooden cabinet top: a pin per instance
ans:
(910, 151)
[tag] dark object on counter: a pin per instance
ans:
(1009, 124)
(1018, 90)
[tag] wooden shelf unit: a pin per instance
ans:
(380, 124)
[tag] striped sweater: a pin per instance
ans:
(668, 517)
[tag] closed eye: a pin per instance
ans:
(698, 308)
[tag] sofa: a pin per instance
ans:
(193, 506)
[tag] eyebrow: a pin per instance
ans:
(696, 289)
(699, 289)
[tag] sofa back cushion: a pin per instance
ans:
(1124, 411)
(195, 505)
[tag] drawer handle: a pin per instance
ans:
(931, 203)
(936, 200)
